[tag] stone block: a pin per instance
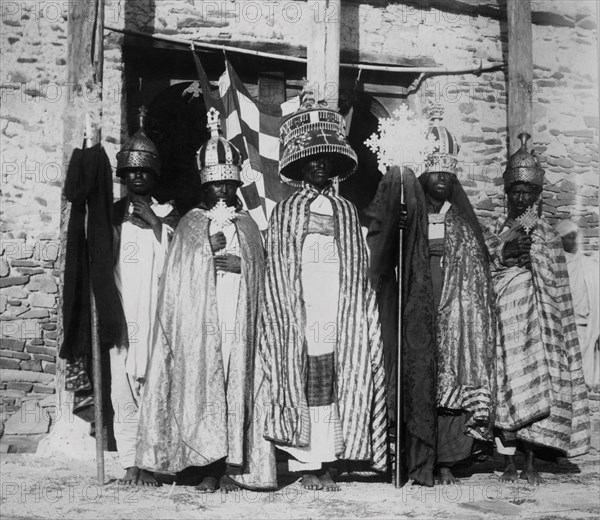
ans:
(13, 312)
(12, 344)
(579, 133)
(11, 364)
(4, 302)
(50, 343)
(13, 302)
(49, 326)
(4, 268)
(29, 420)
(36, 341)
(13, 280)
(44, 389)
(14, 354)
(33, 365)
(44, 357)
(24, 387)
(50, 334)
(42, 300)
(49, 368)
(30, 270)
(49, 250)
(8, 375)
(20, 329)
(24, 263)
(17, 249)
(35, 349)
(43, 283)
(16, 291)
(591, 121)
(35, 313)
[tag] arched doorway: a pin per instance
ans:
(177, 125)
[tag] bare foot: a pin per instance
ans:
(226, 485)
(327, 482)
(510, 473)
(145, 478)
(131, 476)
(532, 476)
(445, 476)
(208, 485)
(310, 481)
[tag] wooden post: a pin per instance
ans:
(520, 70)
(85, 29)
(323, 50)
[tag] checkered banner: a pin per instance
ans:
(253, 127)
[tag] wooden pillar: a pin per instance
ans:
(323, 50)
(84, 84)
(520, 70)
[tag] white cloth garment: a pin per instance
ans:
(585, 286)
(320, 291)
(436, 228)
(228, 288)
(126, 395)
(137, 272)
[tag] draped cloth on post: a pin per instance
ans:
(192, 413)
(448, 352)
(358, 369)
(541, 391)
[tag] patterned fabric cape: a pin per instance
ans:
(188, 416)
(541, 391)
(359, 376)
(448, 354)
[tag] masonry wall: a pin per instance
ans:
(33, 40)
(33, 46)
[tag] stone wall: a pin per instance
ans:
(565, 96)
(33, 95)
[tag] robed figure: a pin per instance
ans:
(199, 405)
(448, 341)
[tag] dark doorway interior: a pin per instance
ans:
(177, 125)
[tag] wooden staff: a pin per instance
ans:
(398, 477)
(96, 354)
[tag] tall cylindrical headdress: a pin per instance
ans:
(312, 130)
(523, 166)
(139, 152)
(218, 159)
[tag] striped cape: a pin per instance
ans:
(541, 391)
(359, 376)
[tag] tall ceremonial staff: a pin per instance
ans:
(402, 141)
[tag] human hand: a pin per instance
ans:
(218, 242)
(403, 221)
(228, 263)
(143, 210)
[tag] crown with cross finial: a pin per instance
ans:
(218, 159)
(445, 151)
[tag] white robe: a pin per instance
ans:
(137, 272)
(584, 282)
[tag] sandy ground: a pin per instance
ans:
(38, 487)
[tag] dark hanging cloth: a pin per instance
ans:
(419, 367)
(88, 186)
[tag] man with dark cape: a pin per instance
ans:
(199, 405)
(542, 397)
(448, 334)
(320, 338)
